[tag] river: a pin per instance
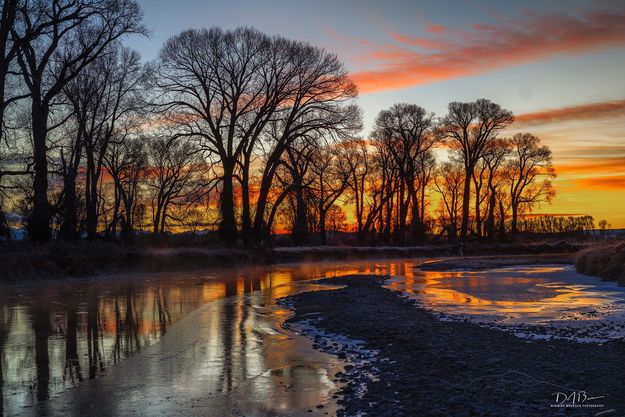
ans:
(212, 342)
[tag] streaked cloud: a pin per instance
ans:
(612, 182)
(452, 53)
(592, 164)
(581, 112)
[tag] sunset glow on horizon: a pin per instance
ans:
(558, 69)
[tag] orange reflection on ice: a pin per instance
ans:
(515, 292)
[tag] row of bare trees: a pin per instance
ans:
(234, 131)
(53, 53)
(391, 179)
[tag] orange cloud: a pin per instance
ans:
(614, 183)
(436, 28)
(581, 112)
(608, 165)
(488, 47)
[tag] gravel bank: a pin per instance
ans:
(409, 363)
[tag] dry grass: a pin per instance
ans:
(26, 261)
(605, 261)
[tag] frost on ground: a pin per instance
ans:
(359, 369)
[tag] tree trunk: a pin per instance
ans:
(163, 218)
(39, 220)
(69, 226)
(403, 211)
(91, 197)
(466, 197)
(502, 221)
(228, 227)
(128, 235)
(156, 220)
(478, 216)
(515, 213)
(246, 222)
(262, 228)
(418, 228)
(322, 225)
(5, 231)
(300, 232)
(490, 218)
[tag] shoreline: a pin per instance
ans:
(55, 261)
(458, 368)
(478, 263)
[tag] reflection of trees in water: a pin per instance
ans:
(243, 315)
(226, 333)
(96, 357)
(234, 337)
(72, 362)
(42, 329)
(126, 327)
(161, 309)
(6, 317)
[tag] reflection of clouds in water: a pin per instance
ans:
(572, 305)
(119, 317)
(528, 294)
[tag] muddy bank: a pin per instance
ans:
(56, 260)
(415, 364)
(605, 261)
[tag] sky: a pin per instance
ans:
(559, 66)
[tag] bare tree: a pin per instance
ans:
(382, 187)
(449, 183)
(359, 164)
(331, 172)
(494, 158)
(8, 73)
(604, 227)
(57, 39)
(530, 173)
(221, 88)
(104, 98)
(173, 178)
(8, 54)
(471, 127)
(230, 89)
(427, 169)
(336, 220)
(319, 105)
(405, 131)
(297, 161)
(125, 161)
(70, 158)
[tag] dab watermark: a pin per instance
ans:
(576, 399)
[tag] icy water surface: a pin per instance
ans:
(213, 341)
(530, 301)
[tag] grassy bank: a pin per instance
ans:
(477, 263)
(605, 261)
(58, 260)
(19, 262)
